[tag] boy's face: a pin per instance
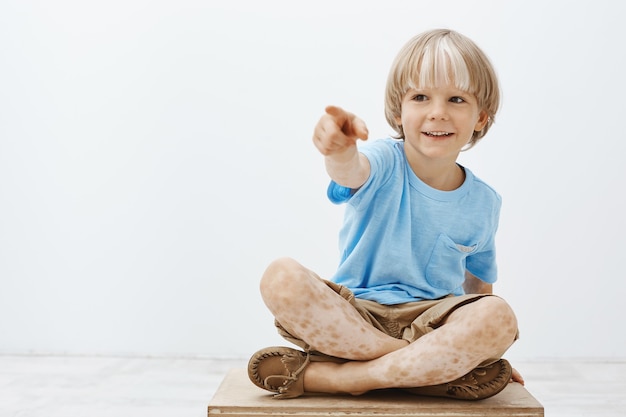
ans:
(439, 121)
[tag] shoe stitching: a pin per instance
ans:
(288, 359)
(293, 377)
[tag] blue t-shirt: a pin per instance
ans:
(404, 241)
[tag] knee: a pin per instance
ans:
(502, 319)
(280, 278)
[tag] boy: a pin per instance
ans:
(411, 304)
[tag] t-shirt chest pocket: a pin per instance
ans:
(446, 266)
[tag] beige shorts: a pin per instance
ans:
(408, 321)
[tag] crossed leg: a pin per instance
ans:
(308, 308)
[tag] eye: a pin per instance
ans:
(420, 97)
(457, 99)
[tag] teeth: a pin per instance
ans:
(437, 133)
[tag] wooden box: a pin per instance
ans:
(238, 397)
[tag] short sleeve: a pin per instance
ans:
(338, 194)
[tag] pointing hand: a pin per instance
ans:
(338, 130)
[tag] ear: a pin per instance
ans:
(483, 118)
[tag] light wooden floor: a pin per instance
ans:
(67, 386)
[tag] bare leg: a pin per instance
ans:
(307, 307)
(472, 334)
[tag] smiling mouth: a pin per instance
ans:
(437, 134)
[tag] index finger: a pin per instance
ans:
(350, 124)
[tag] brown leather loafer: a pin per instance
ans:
(483, 382)
(279, 370)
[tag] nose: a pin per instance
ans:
(438, 110)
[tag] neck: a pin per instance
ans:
(444, 176)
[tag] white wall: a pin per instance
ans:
(156, 155)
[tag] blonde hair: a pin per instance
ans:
(439, 57)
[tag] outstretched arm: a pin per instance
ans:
(335, 136)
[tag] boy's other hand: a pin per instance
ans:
(338, 130)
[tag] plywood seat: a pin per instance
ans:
(238, 397)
